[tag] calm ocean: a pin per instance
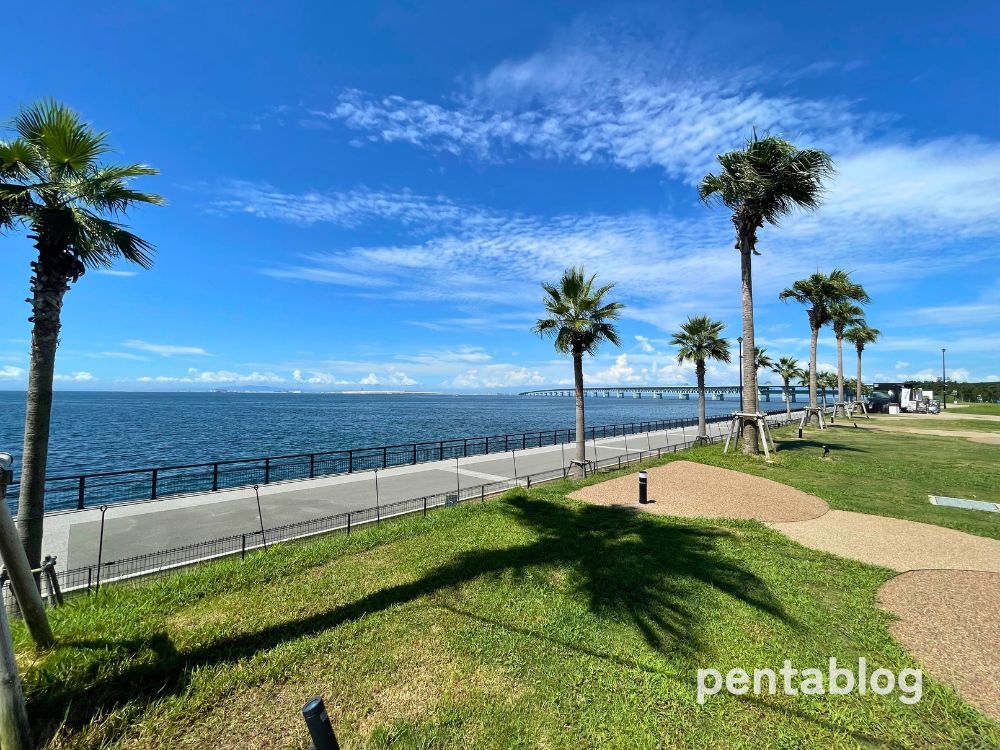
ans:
(108, 431)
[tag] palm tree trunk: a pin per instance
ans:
(700, 373)
(859, 395)
(581, 423)
(48, 287)
(788, 403)
(749, 374)
(813, 344)
(840, 369)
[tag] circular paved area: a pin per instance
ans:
(950, 620)
(684, 488)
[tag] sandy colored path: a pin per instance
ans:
(894, 543)
(947, 598)
(684, 488)
(989, 438)
(951, 620)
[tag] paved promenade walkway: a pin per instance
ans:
(146, 527)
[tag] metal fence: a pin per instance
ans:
(90, 578)
(143, 485)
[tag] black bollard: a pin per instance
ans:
(318, 724)
(642, 488)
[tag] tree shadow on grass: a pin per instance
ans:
(788, 445)
(629, 566)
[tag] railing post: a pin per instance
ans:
(267, 471)
(522, 440)
(414, 461)
(348, 523)
(243, 547)
(385, 457)
(350, 461)
(440, 450)
(215, 477)
(482, 493)
(80, 493)
(425, 505)
(465, 448)
(152, 489)
(312, 465)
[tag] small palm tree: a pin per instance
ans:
(763, 359)
(820, 292)
(827, 381)
(787, 368)
(843, 315)
(580, 319)
(52, 183)
(861, 335)
(700, 340)
(762, 183)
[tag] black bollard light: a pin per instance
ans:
(642, 488)
(318, 724)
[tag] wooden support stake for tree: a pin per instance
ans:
(22, 581)
(15, 732)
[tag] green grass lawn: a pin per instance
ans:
(993, 409)
(885, 473)
(532, 621)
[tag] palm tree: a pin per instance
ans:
(762, 183)
(821, 291)
(762, 359)
(861, 335)
(827, 381)
(842, 315)
(787, 368)
(580, 319)
(53, 184)
(700, 339)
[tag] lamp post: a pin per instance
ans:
(740, 340)
(944, 382)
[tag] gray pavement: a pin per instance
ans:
(142, 528)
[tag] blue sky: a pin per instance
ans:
(368, 195)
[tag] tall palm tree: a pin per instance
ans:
(580, 319)
(762, 183)
(700, 339)
(763, 359)
(53, 183)
(861, 335)
(787, 368)
(843, 315)
(820, 292)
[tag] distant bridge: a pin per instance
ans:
(717, 392)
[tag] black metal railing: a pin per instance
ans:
(143, 485)
(90, 578)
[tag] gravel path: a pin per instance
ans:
(684, 488)
(895, 543)
(947, 598)
(949, 620)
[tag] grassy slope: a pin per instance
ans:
(530, 622)
(885, 473)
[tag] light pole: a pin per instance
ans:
(944, 382)
(740, 340)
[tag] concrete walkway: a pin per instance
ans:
(141, 528)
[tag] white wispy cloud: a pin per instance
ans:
(9, 372)
(115, 272)
(218, 376)
(497, 376)
(165, 350)
(74, 377)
